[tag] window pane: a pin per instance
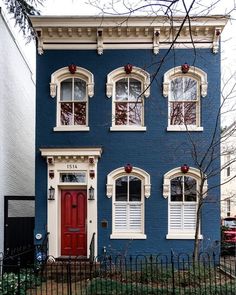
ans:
(190, 187)
(135, 113)
(80, 113)
(21, 208)
(176, 87)
(134, 189)
(122, 89)
(73, 177)
(66, 90)
(176, 113)
(190, 89)
(66, 114)
(177, 189)
(79, 89)
(121, 113)
(122, 188)
(190, 113)
(134, 89)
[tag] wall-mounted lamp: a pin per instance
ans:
(91, 193)
(51, 193)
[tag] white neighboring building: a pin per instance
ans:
(228, 172)
(17, 121)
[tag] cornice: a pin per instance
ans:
(101, 33)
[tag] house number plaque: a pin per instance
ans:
(71, 166)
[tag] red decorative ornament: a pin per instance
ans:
(72, 68)
(91, 173)
(218, 32)
(184, 168)
(51, 174)
(128, 168)
(128, 68)
(185, 68)
(91, 160)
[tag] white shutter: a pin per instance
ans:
(120, 221)
(175, 216)
(128, 217)
(189, 216)
(135, 217)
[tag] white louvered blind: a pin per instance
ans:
(182, 216)
(189, 214)
(128, 217)
(175, 216)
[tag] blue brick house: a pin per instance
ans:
(116, 102)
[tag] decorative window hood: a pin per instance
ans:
(101, 33)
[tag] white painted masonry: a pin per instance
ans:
(17, 121)
(228, 172)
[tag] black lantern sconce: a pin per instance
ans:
(51, 193)
(91, 193)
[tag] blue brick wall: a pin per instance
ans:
(156, 150)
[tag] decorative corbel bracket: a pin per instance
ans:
(109, 89)
(109, 190)
(40, 41)
(90, 89)
(100, 41)
(204, 86)
(216, 40)
(156, 40)
(147, 190)
(53, 89)
(166, 188)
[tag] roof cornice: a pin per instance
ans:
(101, 33)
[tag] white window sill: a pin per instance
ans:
(184, 128)
(182, 236)
(128, 236)
(71, 128)
(128, 128)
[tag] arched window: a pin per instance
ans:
(128, 92)
(182, 189)
(128, 191)
(184, 91)
(72, 91)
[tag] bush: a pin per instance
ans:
(11, 282)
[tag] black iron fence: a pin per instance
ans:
(136, 275)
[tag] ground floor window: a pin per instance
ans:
(128, 192)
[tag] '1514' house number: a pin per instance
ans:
(71, 166)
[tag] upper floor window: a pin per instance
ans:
(182, 193)
(184, 91)
(72, 91)
(128, 92)
(128, 191)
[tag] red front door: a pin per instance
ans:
(73, 222)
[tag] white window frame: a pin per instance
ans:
(145, 190)
(201, 77)
(118, 74)
(59, 76)
(194, 173)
